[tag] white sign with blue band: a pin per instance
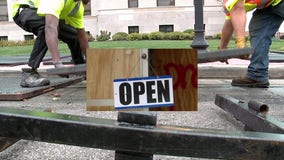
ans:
(143, 92)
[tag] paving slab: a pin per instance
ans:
(10, 89)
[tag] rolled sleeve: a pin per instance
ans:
(53, 7)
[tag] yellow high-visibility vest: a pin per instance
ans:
(69, 10)
(249, 5)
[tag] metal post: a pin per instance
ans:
(199, 41)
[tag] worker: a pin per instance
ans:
(238, 9)
(265, 22)
(51, 21)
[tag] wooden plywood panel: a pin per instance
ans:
(103, 66)
(182, 65)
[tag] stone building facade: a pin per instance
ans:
(143, 16)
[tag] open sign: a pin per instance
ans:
(143, 92)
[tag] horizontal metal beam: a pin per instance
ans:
(6, 142)
(254, 120)
(70, 70)
(219, 55)
(163, 140)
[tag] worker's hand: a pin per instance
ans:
(223, 60)
(58, 64)
(242, 43)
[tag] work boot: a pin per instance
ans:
(247, 82)
(31, 78)
(242, 43)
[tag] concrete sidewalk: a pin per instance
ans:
(236, 68)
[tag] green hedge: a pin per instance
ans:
(16, 43)
(104, 36)
(156, 36)
(120, 36)
(134, 37)
(177, 35)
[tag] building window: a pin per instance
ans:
(133, 29)
(3, 38)
(166, 28)
(165, 2)
(87, 9)
(29, 37)
(132, 3)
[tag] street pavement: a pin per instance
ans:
(72, 100)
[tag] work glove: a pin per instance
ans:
(242, 43)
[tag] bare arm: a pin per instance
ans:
(51, 36)
(83, 40)
(227, 32)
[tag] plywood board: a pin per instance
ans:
(182, 65)
(103, 66)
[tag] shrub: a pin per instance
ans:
(156, 36)
(188, 36)
(104, 36)
(190, 31)
(90, 37)
(177, 35)
(167, 36)
(217, 36)
(16, 43)
(134, 37)
(145, 36)
(120, 36)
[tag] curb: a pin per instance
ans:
(224, 72)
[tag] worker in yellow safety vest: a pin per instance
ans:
(236, 19)
(266, 20)
(51, 21)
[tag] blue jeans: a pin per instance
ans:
(263, 26)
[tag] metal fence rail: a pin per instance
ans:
(138, 138)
